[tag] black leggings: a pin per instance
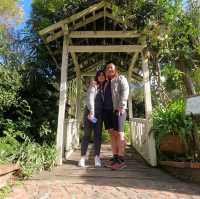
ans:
(88, 128)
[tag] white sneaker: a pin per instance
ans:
(97, 161)
(81, 162)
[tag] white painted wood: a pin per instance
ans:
(139, 137)
(111, 48)
(62, 101)
(130, 106)
(148, 111)
(78, 99)
(71, 136)
(142, 141)
(147, 89)
(104, 34)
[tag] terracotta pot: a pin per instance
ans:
(172, 144)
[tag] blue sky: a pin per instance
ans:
(26, 5)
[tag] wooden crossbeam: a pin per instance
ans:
(51, 53)
(78, 25)
(88, 20)
(54, 36)
(73, 18)
(111, 48)
(104, 34)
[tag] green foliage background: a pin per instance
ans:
(29, 79)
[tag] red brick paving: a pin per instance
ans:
(137, 181)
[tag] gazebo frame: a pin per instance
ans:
(67, 28)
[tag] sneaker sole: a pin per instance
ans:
(122, 167)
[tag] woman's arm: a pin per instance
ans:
(90, 100)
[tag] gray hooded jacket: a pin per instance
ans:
(120, 92)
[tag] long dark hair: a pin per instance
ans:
(98, 73)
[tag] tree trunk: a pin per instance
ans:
(190, 89)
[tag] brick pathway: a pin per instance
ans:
(137, 181)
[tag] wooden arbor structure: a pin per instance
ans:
(80, 40)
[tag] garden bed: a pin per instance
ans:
(183, 170)
(6, 173)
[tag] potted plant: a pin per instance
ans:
(172, 129)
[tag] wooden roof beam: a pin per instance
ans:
(72, 18)
(104, 34)
(110, 48)
(88, 20)
(51, 53)
(55, 36)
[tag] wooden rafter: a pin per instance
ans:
(52, 32)
(51, 54)
(88, 20)
(72, 18)
(59, 34)
(111, 48)
(104, 34)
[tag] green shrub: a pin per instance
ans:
(172, 120)
(35, 157)
(16, 147)
(127, 131)
(9, 86)
(9, 148)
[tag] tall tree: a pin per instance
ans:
(11, 13)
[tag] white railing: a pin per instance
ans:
(71, 137)
(142, 140)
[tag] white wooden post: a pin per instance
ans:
(78, 107)
(130, 106)
(78, 99)
(148, 111)
(147, 88)
(62, 101)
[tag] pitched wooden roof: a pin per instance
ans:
(97, 26)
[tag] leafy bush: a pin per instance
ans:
(171, 120)
(9, 147)
(35, 157)
(30, 156)
(9, 86)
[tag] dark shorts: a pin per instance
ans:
(118, 121)
(108, 119)
(112, 120)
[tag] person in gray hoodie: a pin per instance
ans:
(116, 92)
(93, 118)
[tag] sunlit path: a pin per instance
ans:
(138, 180)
